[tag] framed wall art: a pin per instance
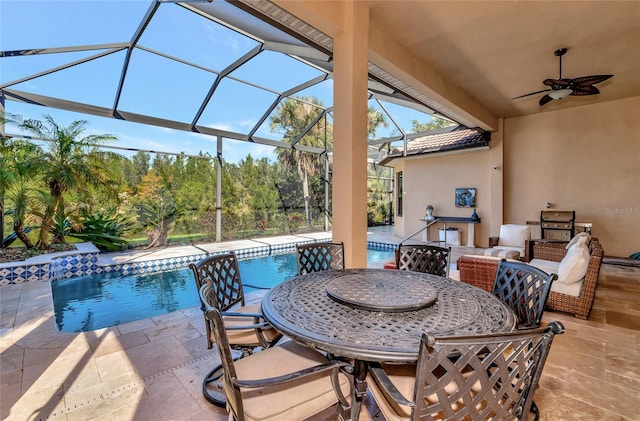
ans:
(465, 197)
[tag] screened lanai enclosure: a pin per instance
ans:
(197, 120)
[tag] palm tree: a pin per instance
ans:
(293, 117)
(22, 176)
(72, 162)
(5, 179)
(375, 119)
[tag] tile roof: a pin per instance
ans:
(458, 138)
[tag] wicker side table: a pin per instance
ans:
(479, 271)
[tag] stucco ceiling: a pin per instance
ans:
(497, 50)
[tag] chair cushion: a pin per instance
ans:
(291, 400)
(403, 377)
(508, 252)
(573, 290)
(573, 266)
(547, 266)
(582, 238)
(514, 235)
(248, 336)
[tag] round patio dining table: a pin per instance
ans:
(379, 315)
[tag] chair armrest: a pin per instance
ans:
(254, 286)
(493, 241)
(334, 366)
(255, 318)
(272, 381)
(387, 387)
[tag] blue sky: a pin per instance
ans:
(154, 85)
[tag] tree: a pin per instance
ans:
(157, 209)
(140, 163)
(293, 117)
(375, 119)
(435, 123)
(72, 162)
(18, 178)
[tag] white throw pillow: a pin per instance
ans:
(582, 238)
(513, 235)
(573, 266)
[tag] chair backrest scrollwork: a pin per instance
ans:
(223, 272)
(493, 376)
(316, 257)
(425, 258)
(525, 289)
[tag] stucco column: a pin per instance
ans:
(350, 134)
(496, 217)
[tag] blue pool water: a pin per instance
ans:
(96, 301)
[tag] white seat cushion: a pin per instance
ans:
(550, 267)
(514, 235)
(546, 266)
(572, 289)
(573, 266)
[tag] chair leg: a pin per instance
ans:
(215, 394)
(534, 410)
(213, 383)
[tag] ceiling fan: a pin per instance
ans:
(563, 87)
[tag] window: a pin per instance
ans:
(400, 193)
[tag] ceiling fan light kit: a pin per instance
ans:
(560, 93)
(563, 87)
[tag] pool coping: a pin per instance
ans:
(88, 260)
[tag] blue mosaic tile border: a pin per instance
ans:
(67, 266)
(73, 265)
(150, 266)
(81, 264)
(374, 245)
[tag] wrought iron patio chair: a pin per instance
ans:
(424, 258)
(466, 377)
(248, 329)
(285, 382)
(316, 257)
(525, 289)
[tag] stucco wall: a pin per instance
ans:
(433, 180)
(585, 159)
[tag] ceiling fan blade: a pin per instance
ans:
(589, 80)
(532, 93)
(562, 83)
(545, 99)
(585, 90)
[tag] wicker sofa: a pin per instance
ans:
(480, 271)
(579, 306)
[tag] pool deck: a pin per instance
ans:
(147, 369)
(153, 368)
(169, 252)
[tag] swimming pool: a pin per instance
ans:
(97, 301)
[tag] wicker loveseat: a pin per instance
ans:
(480, 271)
(581, 305)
